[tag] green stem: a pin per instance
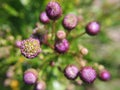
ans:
(53, 30)
(68, 32)
(80, 35)
(77, 36)
(46, 63)
(51, 46)
(40, 74)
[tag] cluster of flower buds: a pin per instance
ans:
(87, 74)
(58, 42)
(30, 47)
(30, 77)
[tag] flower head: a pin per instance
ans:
(71, 72)
(93, 28)
(88, 74)
(30, 76)
(30, 48)
(53, 10)
(70, 21)
(61, 46)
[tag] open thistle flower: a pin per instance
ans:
(30, 48)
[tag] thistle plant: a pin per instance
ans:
(59, 42)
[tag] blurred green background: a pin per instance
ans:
(18, 19)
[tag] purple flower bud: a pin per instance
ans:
(104, 75)
(61, 46)
(18, 44)
(30, 76)
(71, 72)
(61, 34)
(87, 74)
(70, 21)
(40, 85)
(44, 18)
(30, 48)
(93, 28)
(53, 10)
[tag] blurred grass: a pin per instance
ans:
(18, 18)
